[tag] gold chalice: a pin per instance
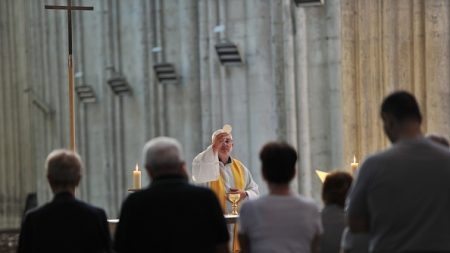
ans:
(234, 198)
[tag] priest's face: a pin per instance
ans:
(226, 145)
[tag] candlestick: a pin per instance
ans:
(354, 164)
(137, 178)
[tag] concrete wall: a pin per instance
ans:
(391, 45)
(289, 88)
(17, 106)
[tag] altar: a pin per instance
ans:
(112, 223)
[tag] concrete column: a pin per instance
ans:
(3, 126)
(304, 142)
(437, 48)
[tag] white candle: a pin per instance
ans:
(354, 164)
(137, 178)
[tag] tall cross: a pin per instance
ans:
(69, 7)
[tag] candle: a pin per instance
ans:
(137, 178)
(354, 164)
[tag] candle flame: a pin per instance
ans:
(137, 167)
(354, 159)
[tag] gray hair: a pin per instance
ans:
(219, 131)
(63, 168)
(162, 153)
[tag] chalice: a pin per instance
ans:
(234, 198)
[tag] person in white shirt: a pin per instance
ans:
(281, 221)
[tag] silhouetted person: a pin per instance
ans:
(65, 224)
(170, 215)
(401, 195)
(281, 221)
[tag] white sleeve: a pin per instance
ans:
(205, 166)
(251, 188)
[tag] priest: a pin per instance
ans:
(216, 169)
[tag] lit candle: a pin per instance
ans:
(137, 178)
(354, 164)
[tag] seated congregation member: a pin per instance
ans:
(281, 221)
(65, 224)
(334, 192)
(170, 215)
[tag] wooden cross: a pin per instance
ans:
(69, 9)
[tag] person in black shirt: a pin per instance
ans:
(170, 215)
(65, 224)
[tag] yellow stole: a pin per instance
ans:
(218, 187)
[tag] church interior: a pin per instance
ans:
(311, 74)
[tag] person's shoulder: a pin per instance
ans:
(137, 197)
(199, 195)
(306, 201)
(96, 209)
(372, 162)
(199, 190)
(268, 200)
(438, 149)
(90, 207)
(35, 212)
(139, 194)
(379, 156)
(261, 202)
(253, 204)
(332, 210)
